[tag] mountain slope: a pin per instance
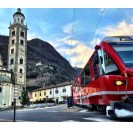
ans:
(53, 65)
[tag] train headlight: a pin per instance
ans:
(118, 83)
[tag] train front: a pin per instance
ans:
(123, 46)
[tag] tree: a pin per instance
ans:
(24, 99)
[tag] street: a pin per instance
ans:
(59, 113)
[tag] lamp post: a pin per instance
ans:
(14, 100)
(14, 117)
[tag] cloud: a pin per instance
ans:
(122, 28)
(83, 55)
(95, 42)
(68, 28)
(67, 40)
(78, 55)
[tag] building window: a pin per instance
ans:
(50, 92)
(11, 70)
(64, 90)
(21, 71)
(22, 34)
(21, 42)
(20, 76)
(13, 33)
(40, 93)
(19, 98)
(12, 51)
(44, 93)
(11, 62)
(21, 61)
(21, 20)
(56, 91)
(0, 89)
(13, 41)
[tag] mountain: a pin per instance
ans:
(78, 69)
(44, 64)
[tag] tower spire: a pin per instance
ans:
(18, 10)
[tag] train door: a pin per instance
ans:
(85, 81)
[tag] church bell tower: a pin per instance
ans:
(17, 52)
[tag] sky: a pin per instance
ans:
(73, 32)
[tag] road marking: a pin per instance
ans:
(98, 119)
(25, 121)
(70, 121)
(83, 111)
(5, 120)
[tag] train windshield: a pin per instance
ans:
(125, 51)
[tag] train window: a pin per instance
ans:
(95, 64)
(110, 66)
(75, 87)
(85, 76)
(100, 66)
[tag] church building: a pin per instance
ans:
(6, 86)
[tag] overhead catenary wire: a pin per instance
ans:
(73, 21)
(92, 35)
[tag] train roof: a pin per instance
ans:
(123, 38)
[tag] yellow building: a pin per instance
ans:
(39, 94)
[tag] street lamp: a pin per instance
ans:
(14, 100)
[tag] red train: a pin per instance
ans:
(106, 82)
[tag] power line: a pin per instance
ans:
(72, 31)
(93, 33)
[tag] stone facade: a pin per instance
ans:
(17, 52)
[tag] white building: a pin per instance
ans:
(6, 87)
(58, 93)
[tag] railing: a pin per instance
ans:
(41, 105)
